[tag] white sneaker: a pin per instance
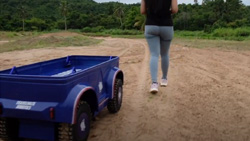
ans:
(164, 82)
(154, 88)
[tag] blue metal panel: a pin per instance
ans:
(37, 130)
(67, 110)
(110, 80)
(28, 92)
(27, 109)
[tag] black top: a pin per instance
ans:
(158, 12)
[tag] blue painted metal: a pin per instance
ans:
(13, 70)
(37, 130)
(59, 84)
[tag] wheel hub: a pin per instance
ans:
(83, 125)
(120, 95)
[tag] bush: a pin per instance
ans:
(101, 29)
(60, 24)
(208, 28)
(223, 32)
(122, 32)
(192, 34)
(86, 29)
(93, 29)
(36, 24)
(230, 32)
(243, 32)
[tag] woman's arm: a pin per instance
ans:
(174, 7)
(143, 7)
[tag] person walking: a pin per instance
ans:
(159, 33)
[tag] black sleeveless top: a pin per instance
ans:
(158, 12)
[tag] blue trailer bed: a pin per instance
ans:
(41, 100)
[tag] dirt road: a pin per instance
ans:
(208, 96)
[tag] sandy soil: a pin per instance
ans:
(3, 42)
(208, 96)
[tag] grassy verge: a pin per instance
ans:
(116, 33)
(237, 34)
(31, 41)
(114, 36)
(16, 35)
(220, 44)
(197, 39)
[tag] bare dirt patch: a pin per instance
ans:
(3, 42)
(208, 96)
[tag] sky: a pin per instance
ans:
(246, 2)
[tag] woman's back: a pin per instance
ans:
(158, 12)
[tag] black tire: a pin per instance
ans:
(9, 129)
(80, 130)
(115, 104)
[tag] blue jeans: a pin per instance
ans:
(159, 39)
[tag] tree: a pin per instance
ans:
(196, 1)
(36, 24)
(130, 17)
(140, 22)
(119, 13)
(206, 1)
(64, 11)
(23, 14)
(234, 10)
(18, 15)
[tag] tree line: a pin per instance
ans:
(40, 15)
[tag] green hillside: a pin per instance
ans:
(40, 15)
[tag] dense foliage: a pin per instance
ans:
(87, 15)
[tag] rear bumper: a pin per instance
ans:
(40, 130)
(27, 109)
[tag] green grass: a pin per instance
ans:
(114, 36)
(240, 34)
(116, 33)
(16, 35)
(197, 39)
(237, 34)
(31, 41)
(220, 44)
(129, 36)
(192, 35)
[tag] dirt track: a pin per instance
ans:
(208, 96)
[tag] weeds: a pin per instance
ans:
(236, 34)
(35, 41)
